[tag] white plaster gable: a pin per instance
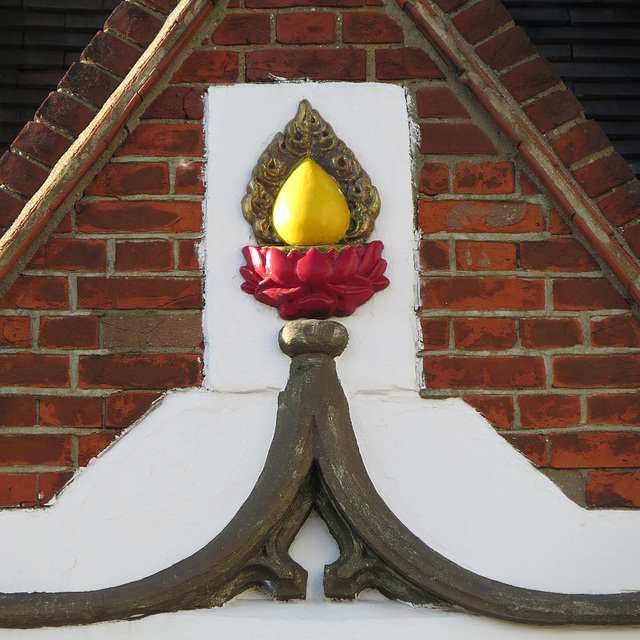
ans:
(176, 479)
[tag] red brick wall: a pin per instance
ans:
(518, 316)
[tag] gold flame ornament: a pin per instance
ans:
(308, 189)
(310, 209)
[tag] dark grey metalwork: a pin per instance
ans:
(314, 462)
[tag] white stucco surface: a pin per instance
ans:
(175, 480)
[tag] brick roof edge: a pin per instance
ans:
(571, 156)
(23, 176)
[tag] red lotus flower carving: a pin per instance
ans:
(314, 284)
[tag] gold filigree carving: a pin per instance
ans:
(308, 135)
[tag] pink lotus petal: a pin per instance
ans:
(254, 259)
(314, 268)
(356, 294)
(289, 311)
(346, 265)
(248, 287)
(345, 308)
(294, 255)
(269, 293)
(378, 269)
(369, 258)
(279, 269)
(333, 255)
(250, 275)
(320, 305)
(381, 283)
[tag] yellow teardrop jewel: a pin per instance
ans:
(310, 208)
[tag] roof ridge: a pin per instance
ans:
(116, 103)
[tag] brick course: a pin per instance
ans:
(519, 322)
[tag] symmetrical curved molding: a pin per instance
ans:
(314, 462)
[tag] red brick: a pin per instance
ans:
(557, 225)
(527, 186)
(490, 177)
(616, 331)
(615, 408)
(90, 446)
(137, 371)
(556, 255)
(486, 256)
(177, 103)
(479, 334)
(315, 64)
(584, 450)
(434, 255)
(529, 79)
(498, 410)
(479, 217)
(153, 255)
(135, 23)
(449, 5)
(613, 489)
(632, 236)
(580, 141)
(71, 254)
(14, 331)
(482, 293)
(130, 179)
(435, 333)
(506, 48)
(583, 372)
(549, 411)
(111, 53)
(533, 446)
(554, 109)
(164, 7)
(65, 225)
(434, 178)
(17, 411)
(306, 28)
(89, 82)
(139, 293)
(623, 205)
(444, 137)
(243, 28)
(49, 484)
(603, 174)
(64, 411)
(439, 103)
(481, 20)
(189, 178)
(216, 67)
(41, 143)
(21, 174)
(408, 63)
(123, 409)
(457, 372)
(370, 27)
(34, 370)
(188, 255)
(285, 4)
(17, 490)
(37, 293)
(576, 294)
(164, 140)
(138, 216)
(65, 112)
(69, 332)
(10, 207)
(550, 333)
(45, 450)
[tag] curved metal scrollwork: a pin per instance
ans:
(314, 463)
